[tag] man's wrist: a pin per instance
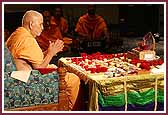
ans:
(51, 54)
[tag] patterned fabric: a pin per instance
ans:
(135, 93)
(105, 92)
(9, 64)
(40, 89)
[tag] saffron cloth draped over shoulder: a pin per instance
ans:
(24, 46)
(92, 26)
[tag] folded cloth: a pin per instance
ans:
(21, 75)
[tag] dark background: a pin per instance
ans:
(131, 20)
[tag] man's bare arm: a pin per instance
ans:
(22, 65)
(53, 49)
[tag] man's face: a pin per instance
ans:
(91, 10)
(37, 26)
(46, 15)
(58, 12)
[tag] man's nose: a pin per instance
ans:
(42, 27)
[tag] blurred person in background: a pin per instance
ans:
(92, 30)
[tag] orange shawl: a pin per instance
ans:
(47, 35)
(56, 31)
(24, 46)
(62, 24)
(91, 26)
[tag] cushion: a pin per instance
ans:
(40, 89)
(9, 64)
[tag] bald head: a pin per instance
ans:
(30, 15)
(33, 22)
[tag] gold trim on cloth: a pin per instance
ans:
(62, 62)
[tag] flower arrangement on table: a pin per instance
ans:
(112, 64)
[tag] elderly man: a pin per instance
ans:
(28, 55)
(23, 46)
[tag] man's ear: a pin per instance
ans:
(30, 24)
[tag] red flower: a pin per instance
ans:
(145, 65)
(89, 62)
(93, 70)
(83, 54)
(77, 62)
(89, 57)
(86, 67)
(118, 55)
(74, 59)
(82, 64)
(160, 62)
(103, 69)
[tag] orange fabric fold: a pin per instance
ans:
(72, 89)
(62, 24)
(56, 31)
(51, 34)
(94, 26)
(23, 45)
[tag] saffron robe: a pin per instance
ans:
(94, 27)
(23, 45)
